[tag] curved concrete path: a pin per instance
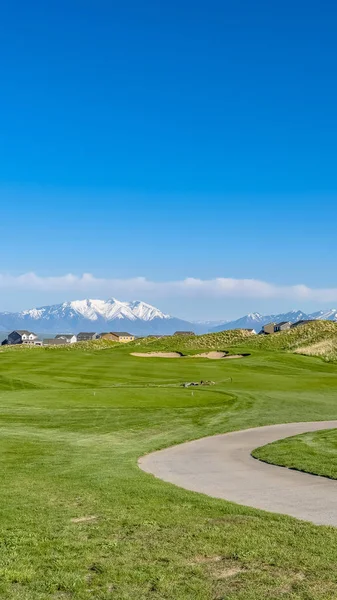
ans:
(222, 466)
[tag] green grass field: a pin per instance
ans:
(79, 519)
(310, 452)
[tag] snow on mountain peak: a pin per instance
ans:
(95, 309)
(92, 314)
(146, 312)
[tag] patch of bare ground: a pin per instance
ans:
(89, 519)
(220, 567)
(229, 575)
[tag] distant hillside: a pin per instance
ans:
(256, 320)
(182, 343)
(295, 338)
(291, 340)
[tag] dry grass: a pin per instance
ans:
(326, 349)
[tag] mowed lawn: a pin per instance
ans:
(80, 520)
(314, 452)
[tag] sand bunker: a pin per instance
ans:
(157, 354)
(214, 355)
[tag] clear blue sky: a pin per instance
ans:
(169, 140)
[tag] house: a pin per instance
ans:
(283, 326)
(69, 338)
(184, 333)
(303, 322)
(54, 342)
(35, 342)
(107, 335)
(155, 335)
(118, 336)
(22, 336)
(84, 336)
(251, 331)
(269, 328)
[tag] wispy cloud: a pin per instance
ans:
(221, 287)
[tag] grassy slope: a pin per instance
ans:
(291, 340)
(311, 452)
(69, 444)
(327, 349)
(303, 340)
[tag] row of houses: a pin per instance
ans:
(23, 336)
(282, 326)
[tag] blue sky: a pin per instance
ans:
(192, 140)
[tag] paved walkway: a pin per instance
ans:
(221, 466)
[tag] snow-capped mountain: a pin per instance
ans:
(210, 324)
(139, 318)
(325, 315)
(256, 320)
(95, 309)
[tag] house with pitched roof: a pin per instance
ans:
(118, 336)
(23, 336)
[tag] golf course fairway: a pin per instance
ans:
(79, 519)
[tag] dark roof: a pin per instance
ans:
(283, 323)
(155, 335)
(303, 322)
(60, 336)
(184, 333)
(87, 333)
(121, 333)
(22, 331)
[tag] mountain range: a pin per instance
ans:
(137, 317)
(256, 320)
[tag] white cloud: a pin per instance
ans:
(220, 287)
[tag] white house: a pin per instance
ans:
(22, 336)
(69, 338)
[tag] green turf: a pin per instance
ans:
(79, 520)
(310, 452)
